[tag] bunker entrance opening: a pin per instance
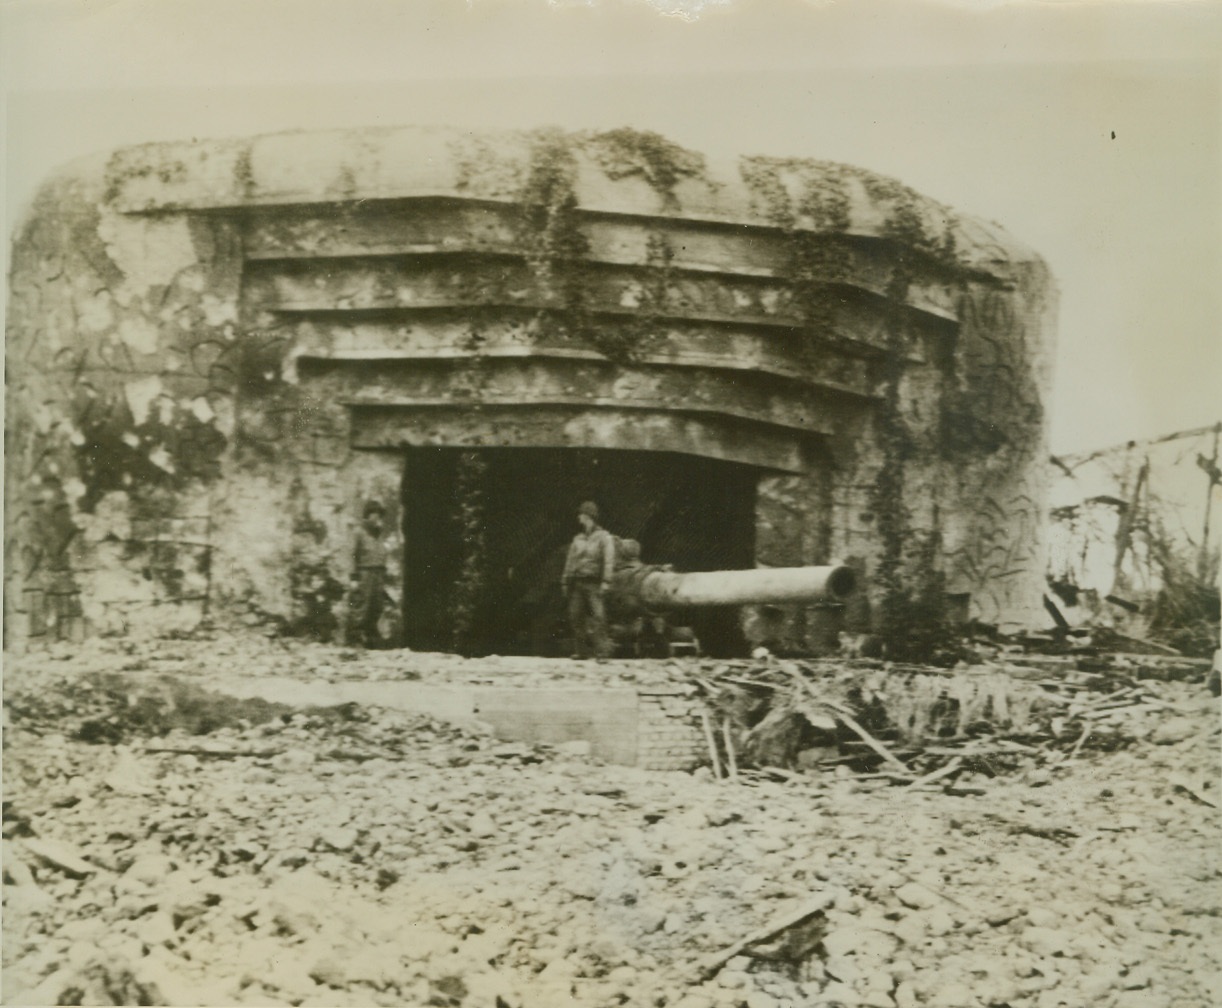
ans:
(486, 532)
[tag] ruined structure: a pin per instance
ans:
(1134, 540)
(218, 350)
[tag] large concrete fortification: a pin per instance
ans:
(219, 350)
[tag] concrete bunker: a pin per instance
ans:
(694, 513)
(218, 350)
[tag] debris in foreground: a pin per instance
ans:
(446, 867)
(922, 726)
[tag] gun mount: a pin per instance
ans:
(647, 601)
(644, 588)
(653, 589)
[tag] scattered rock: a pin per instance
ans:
(63, 857)
(955, 994)
(342, 838)
(1041, 917)
(1002, 915)
(860, 941)
(293, 760)
(1045, 941)
(435, 857)
(149, 870)
(911, 930)
(837, 993)
(129, 776)
(917, 896)
(938, 921)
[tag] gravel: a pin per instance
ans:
(358, 856)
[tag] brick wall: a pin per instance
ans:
(669, 731)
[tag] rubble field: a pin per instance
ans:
(167, 845)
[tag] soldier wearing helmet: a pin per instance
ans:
(586, 578)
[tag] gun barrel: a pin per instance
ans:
(669, 590)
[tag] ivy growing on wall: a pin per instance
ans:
(912, 611)
(555, 245)
(469, 507)
(662, 163)
(625, 341)
(905, 222)
(990, 401)
(888, 501)
(551, 237)
(897, 615)
(810, 202)
(315, 590)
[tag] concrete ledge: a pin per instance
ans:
(620, 723)
(606, 718)
(450, 703)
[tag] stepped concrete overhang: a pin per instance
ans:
(415, 162)
(221, 327)
(372, 247)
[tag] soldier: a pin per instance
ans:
(368, 577)
(586, 578)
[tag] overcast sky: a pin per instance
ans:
(1006, 111)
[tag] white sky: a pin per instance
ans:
(1003, 110)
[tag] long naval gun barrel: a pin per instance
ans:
(653, 588)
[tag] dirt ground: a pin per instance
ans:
(165, 847)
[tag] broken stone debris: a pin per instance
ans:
(441, 868)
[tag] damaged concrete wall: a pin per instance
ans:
(120, 350)
(218, 350)
(136, 501)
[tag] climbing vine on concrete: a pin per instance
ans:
(479, 168)
(990, 400)
(890, 509)
(912, 608)
(556, 247)
(469, 508)
(906, 223)
(963, 420)
(551, 237)
(315, 590)
(809, 202)
(663, 164)
(625, 341)
(894, 619)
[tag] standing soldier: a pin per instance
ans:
(587, 576)
(368, 577)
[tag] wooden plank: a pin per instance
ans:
(708, 966)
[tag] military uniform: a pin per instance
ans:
(587, 573)
(369, 574)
